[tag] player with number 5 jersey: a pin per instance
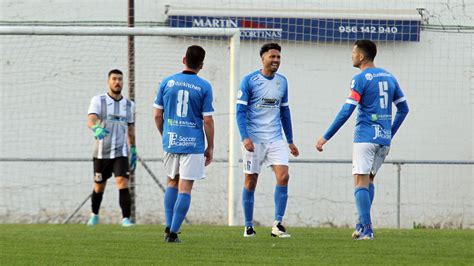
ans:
(374, 120)
(374, 90)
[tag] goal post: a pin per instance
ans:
(232, 35)
(119, 31)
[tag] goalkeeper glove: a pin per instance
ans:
(133, 158)
(99, 132)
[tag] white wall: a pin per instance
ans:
(47, 82)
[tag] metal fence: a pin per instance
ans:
(148, 166)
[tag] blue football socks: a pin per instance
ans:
(247, 204)
(362, 200)
(281, 198)
(180, 210)
(171, 194)
(371, 192)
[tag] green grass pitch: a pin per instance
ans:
(206, 244)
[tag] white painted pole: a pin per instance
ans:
(115, 31)
(399, 170)
(233, 137)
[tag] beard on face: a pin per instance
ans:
(356, 63)
(116, 89)
(275, 67)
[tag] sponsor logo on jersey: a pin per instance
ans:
(376, 117)
(186, 85)
(180, 123)
(381, 133)
(281, 90)
(180, 141)
(268, 103)
(170, 83)
(172, 136)
(116, 118)
(353, 82)
(370, 76)
(381, 74)
(239, 94)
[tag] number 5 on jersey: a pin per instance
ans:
(383, 91)
(182, 106)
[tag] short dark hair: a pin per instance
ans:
(368, 48)
(115, 71)
(195, 56)
(269, 46)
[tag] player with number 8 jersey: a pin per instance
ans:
(183, 107)
(189, 98)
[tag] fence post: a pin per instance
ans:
(399, 170)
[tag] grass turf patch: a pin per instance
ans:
(206, 244)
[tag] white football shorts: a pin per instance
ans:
(272, 153)
(188, 166)
(367, 158)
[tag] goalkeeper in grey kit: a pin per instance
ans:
(111, 118)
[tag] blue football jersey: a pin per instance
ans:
(185, 99)
(374, 90)
(263, 96)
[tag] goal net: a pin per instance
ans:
(49, 76)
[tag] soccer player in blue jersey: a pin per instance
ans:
(183, 106)
(262, 113)
(373, 90)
